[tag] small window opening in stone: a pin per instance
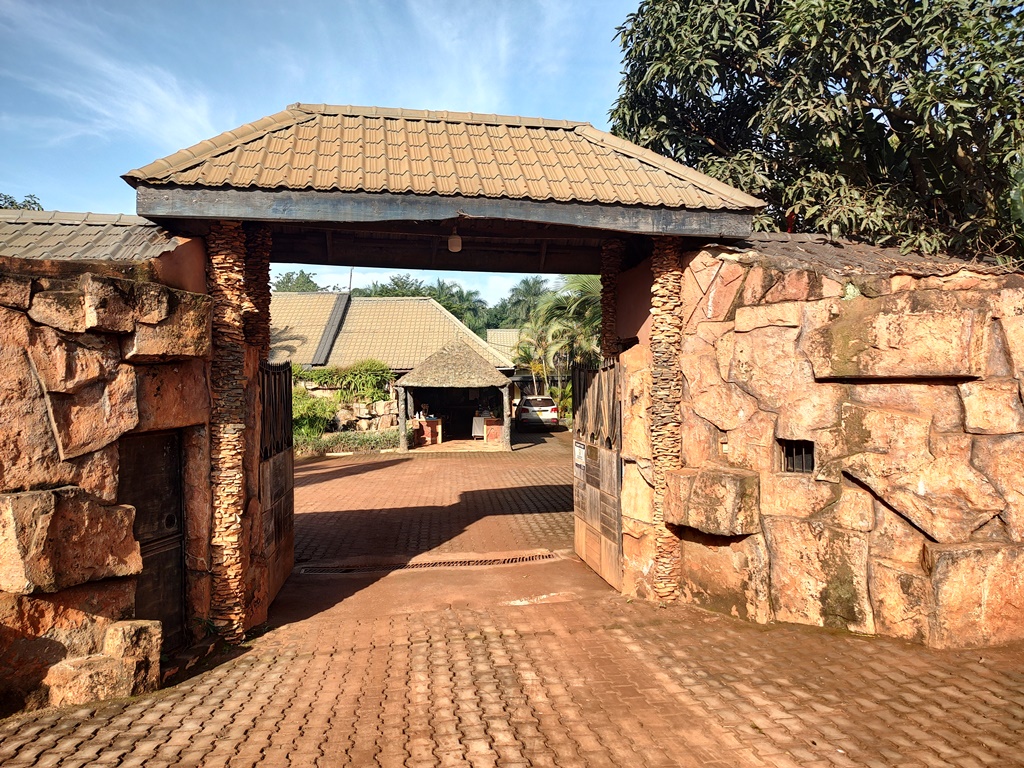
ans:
(797, 455)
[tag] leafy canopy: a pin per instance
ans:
(27, 203)
(296, 282)
(467, 305)
(898, 123)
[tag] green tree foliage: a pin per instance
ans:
(366, 381)
(524, 298)
(397, 285)
(573, 315)
(296, 282)
(563, 329)
(893, 122)
(499, 316)
(535, 352)
(27, 203)
(468, 306)
(311, 415)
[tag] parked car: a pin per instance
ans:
(536, 411)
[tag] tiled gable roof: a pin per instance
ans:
(297, 322)
(81, 236)
(505, 340)
(370, 149)
(401, 332)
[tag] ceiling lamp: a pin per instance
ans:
(454, 241)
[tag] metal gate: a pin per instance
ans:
(150, 479)
(277, 477)
(597, 469)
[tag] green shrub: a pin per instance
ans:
(311, 415)
(343, 442)
(366, 381)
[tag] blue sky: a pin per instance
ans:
(90, 90)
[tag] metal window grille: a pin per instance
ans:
(797, 455)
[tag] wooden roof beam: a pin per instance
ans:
(314, 206)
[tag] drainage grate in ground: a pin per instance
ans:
(335, 569)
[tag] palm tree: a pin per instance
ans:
(536, 351)
(573, 315)
(524, 298)
(468, 306)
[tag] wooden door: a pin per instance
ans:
(151, 481)
(597, 469)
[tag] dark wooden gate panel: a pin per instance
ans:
(150, 479)
(597, 469)
(277, 476)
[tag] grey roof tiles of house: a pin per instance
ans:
(456, 365)
(82, 236)
(401, 332)
(372, 149)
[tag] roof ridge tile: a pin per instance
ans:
(434, 115)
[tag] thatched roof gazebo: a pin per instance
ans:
(456, 366)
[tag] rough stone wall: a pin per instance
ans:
(912, 521)
(84, 360)
(239, 284)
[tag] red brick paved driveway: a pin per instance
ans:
(528, 665)
(394, 505)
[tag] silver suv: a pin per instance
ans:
(537, 411)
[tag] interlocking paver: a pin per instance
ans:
(474, 667)
(392, 505)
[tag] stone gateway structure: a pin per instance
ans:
(804, 431)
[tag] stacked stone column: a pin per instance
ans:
(612, 252)
(666, 395)
(256, 301)
(238, 282)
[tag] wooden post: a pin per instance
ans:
(506, 424)
(403, 436)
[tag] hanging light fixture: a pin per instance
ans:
(454, 241)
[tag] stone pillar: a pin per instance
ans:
(666, 396)
(403, 437)
(612, 252)
(256, 325)
(256, 301)
(506, 423)
(238, 281)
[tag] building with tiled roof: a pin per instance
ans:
(337, 330)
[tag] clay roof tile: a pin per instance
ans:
(374, 149)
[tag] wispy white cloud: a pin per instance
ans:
(100, 92)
